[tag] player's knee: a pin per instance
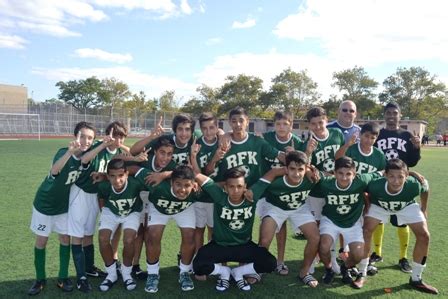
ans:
(202, 267)
(64, 239)
(313, 239)
(423, 236)
(103, 238)
(264, 261)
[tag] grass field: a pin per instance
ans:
(25, 163)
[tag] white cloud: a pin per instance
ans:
(250, 22)
(103, 55)
(152, 85)
(185, 7)
(371, 32)
(267, 66)
(213, 41)
(12, 41)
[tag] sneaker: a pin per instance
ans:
(372, 270)
(358, 283)
(96, 272)
(37, 286)
(328, 276)
(404, 265)
(186, 283)
(375, 258)
(421, 286)
(83, 285)
(346, 275)
(66, 285)
(152, 283)
(138, 273)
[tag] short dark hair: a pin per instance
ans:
(180, 119)
(164, 140)
(84, 125)
(206, 116)
(284, 115)
(116, 164)
(182, 172)
(344, 162)
(371, 127)
(238, 110)
(315, 112)
(392, 105)
(396, 164)
(296, 156)
(119, 129)
(235, 173)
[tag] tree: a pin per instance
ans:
(113, 93)
(242, 90)
(331, 106)
(292, 91)
(416, 91)
(358, 87)
(205, 101)
(167, 101)
(80, 94)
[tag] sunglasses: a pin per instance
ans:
(348, 110)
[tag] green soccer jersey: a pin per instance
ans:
(53, 194)
(180, 154)
(232, 224)
(344, 206)
(366, 163)
(323, 155)
(249, 154)
(286, 196)
(272, 139)
(151, 166)
(163, 198)
(204, 156)
(98, 164)
(395, 202)
(124, 202)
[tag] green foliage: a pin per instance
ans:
(81, 94)
(167, 101)
(206, 100)
(113, 93)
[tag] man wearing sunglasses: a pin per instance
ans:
(346, 120)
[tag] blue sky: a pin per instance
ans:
(158, 45)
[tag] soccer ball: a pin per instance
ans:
(236, 224)
(391, 154)
(246, 169)
(294, 205)
(328, 165)
(172, 211)
(343, 209)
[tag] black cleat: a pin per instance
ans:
(138, 273)
(372, 270)
(96, 272)
(83, 285)
(37, 286)
(328, 276)
(375, 258)
(421, 286)
(65, 284)
(346, 275)
(404, 265)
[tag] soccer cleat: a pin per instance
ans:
(186, 283)
(152, 283)
(328, 276)
(37, 286)
(346, 275)
(83, 285)
(372, 270)
(375, 258)
(65, 284)
(358, 283)
(421, 286)
(96, 272)
(404, 265)
(138, 273)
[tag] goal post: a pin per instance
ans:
(20, 125)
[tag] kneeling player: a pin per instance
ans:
(285, 199)
(394, 195)
(342, 215)
(233, 222)
(171, 199)
(51, 203)
(122, 205)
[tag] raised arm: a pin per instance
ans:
(140, 145)
(73, 148)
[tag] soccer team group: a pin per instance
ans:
(336, 187)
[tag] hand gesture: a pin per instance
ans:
(312, 174)
(109, 139)
(154, 178)
(415, 140)
(158, 130)
(311, 145)
(75, 145)
(353, 138)
(290, 148)
(249, 195)
(97, 177)
(143, 156)
(195, 148)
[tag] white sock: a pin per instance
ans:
(112, 272)
(363, 266)
(185, 268)
(417, 270)
(346, 248)
(126, 272)
(153, 269)
(240, 271)
(334, 263)
(223, 271)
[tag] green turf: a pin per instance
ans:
(25, 163)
